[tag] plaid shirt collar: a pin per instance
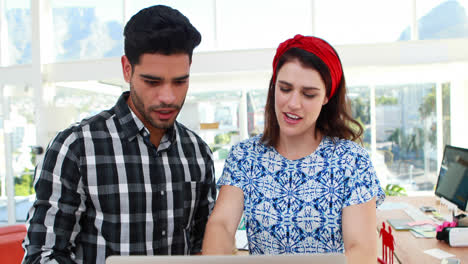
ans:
(132, 125)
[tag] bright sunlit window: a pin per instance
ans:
(18, 43)
(87, 29)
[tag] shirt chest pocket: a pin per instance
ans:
(186, 200)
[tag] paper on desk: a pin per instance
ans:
(426, 231)
(392, 206)
(241, 239)
(422, 223)
(438, 253)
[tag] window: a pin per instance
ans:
(439, 19)
(359, 97)
(262, 23)
(87, 29)
(70, 102)
(406, 134)
(361, 21)
(18, 45)
(18, 134)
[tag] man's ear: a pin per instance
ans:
(126, 68)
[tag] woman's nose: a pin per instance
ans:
(294, 100)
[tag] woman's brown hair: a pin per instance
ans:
(335, 117)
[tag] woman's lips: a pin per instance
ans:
(291, 118)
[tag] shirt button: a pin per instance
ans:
(163, 232)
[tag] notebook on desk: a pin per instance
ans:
(333, 258)
(399, 224)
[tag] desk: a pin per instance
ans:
(409, 249)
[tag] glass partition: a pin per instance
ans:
(351, 22)
(406, 134)
(214, 117)
(446, 129)
(256, 111)
(81, 100)
(19, 155)
(66, 103)
(359, 97)
(18, 18)
(85, 29)
(440, 19)
(262, 23)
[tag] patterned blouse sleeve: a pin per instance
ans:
(363, 184)
(233, 169)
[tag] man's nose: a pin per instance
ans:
(166, 94)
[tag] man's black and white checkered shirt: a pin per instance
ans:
(104, 189)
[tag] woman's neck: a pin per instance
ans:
(294, 148)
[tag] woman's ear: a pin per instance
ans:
(325, 100)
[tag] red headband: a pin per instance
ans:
(319, 48)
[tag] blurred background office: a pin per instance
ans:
(405, 62)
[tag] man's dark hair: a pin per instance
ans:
(159, 29)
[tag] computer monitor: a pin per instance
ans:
(452, 183)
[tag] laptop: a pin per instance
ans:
(332, 258)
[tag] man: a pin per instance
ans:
(130, 180)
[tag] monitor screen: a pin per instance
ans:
(452, 183)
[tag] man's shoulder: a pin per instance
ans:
(187, 133)
(98, 119)
(72, 137)
(92, 123)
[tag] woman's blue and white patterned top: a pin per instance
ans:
(295, 206)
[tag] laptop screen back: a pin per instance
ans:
(254, 259)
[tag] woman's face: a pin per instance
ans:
(299, 96)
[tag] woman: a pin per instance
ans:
(303, 185)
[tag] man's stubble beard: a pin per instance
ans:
(146, 116)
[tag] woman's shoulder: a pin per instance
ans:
(345, 147)
(247, 148)
(251, 144)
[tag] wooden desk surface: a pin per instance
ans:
(409, 249)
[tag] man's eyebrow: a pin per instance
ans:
(157, 78)
(181, 78)
(151, 77)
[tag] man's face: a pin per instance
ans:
(158, 86)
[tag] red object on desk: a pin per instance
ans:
(11, 238)
(388, 245)
(444, 225)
